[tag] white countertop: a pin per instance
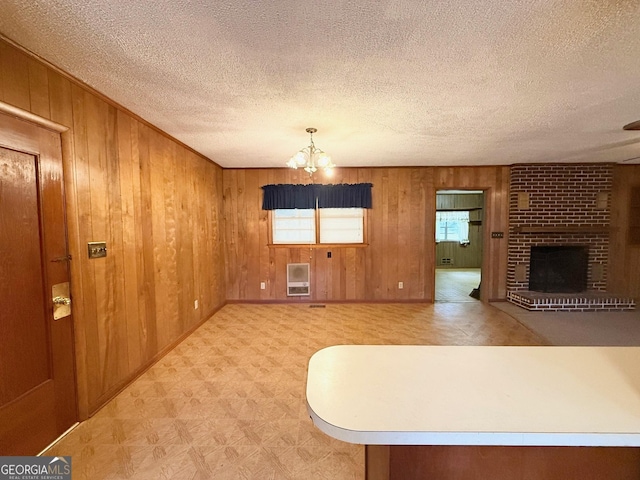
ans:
(435, 395)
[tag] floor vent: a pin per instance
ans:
(317, 306)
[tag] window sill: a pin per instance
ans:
(317, 245)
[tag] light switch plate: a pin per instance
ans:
(97, 249)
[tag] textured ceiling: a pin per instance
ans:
(401, 82)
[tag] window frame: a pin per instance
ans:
(317, 244)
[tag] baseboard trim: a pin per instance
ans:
(317, 301)
(67, 432)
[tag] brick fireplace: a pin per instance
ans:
(561, 206)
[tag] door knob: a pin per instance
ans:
(62, 301)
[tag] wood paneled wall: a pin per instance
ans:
(461, 256)
(401, 245)
(624, 259)
(157, 204)
(459, 201)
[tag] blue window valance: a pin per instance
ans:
(343, 195)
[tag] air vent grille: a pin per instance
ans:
(298, 279)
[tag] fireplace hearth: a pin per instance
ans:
(558, 268)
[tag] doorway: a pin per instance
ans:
(37, 361)
(459, 249)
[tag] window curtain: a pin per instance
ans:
(453, 216)
(328, 196)
(288, 196)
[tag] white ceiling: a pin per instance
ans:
(398, 82)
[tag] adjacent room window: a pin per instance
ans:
(452, 226)
(318, 226)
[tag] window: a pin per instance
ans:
(315, 214)
(321, 226)
(341, 225)
(452, 226)
(294, 226)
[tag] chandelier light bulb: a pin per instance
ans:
(300, 158)
(324, 160)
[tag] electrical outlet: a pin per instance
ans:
(263, 285)
(400, 285)
(195, 304)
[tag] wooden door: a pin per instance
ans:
(37, 376)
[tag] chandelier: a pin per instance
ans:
(311, 158)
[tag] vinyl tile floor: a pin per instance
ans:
(455, 284)
(229, 401)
